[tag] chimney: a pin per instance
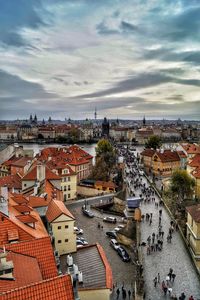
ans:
(40, 172)
(4, 192)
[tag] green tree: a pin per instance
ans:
(154, 142)
(182, 185)
(105, 160)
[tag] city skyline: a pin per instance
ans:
(127, 59)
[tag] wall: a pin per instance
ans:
(63, 234)
(73, 187)
(101, 294)
(87, 191)
(6, 153)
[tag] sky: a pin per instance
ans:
(127, 58)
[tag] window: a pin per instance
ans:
(65, 197)
(24, 184)
(66, 226)
(69, 179)
(69, 196)
(65, 188)
(69, 188)
(59, 241)
(66, 240)
(59, 227)
(65, 179)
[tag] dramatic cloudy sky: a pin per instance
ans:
(127, 58)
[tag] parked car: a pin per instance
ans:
(111, 234)
(78, 230)
(80, 243)
(87, 212)
(118, 228)
(123, 254)
(110, 219)
(80, 239)
(114, 243)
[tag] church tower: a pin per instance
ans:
(144, 121)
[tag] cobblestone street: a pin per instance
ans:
(174, 255)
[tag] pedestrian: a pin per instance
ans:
(191, 298)
(155, 281)
(182, 296)
(173, 277)
(158, 277)
(170, 291)
(129, 294)
(118, 292)
(124, 293)
(160, 211)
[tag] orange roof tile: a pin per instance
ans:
(191, 148)
(19, 198)
(195, 161)
(26, 270)
(21, 162)
(26, 219)
(23, 208)
(42, 250)
(12, 181)
(59, 287)
(147, 152)
(167, 156)
(32, 174)
(55, 209)
(35, 201)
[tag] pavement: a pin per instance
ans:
(173, 256)
(123, 273)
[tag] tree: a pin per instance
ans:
(105, 160)
(154, 142)
(182, 185)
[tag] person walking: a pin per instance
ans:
(129, 294)
(155, 281)
(117, 292)
(173, 277)
(191, 298)
(158, 277)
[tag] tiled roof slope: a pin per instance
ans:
(168, 156)
(55, 209)
(32, 174)
(6, 224)
(26, 270)
(147, 152)
(12, 181)
(195, 161)
(194, 211)
(42, 250)
(59, 288)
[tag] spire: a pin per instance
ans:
(95, 113)
(49, 120)
(35, 118)
(144, 121)
(43, 122)
(31, 118)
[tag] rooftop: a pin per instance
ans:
(57, 208)
(194, 211)
(93, 264)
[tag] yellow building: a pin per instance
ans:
(193, 232)
(61, 222)
(68, 183)
(105, 186)
(165, 162)
(146, 159)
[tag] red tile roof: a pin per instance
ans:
(182, 154)
(12, 181)
(195, 161)
(58, 288)
(13, 235)
(26, 271)
(42, 250)
(23, 208)
(32, 174)
(26, 219)
(168, 156)
(21, 162)
(147, 152)
(35, 201)
(55, 209)
(194, 211)
(191, 148)
(19, 198)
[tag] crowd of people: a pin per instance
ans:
(137, 186)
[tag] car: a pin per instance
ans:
(118, 228)
(110, 219)
(80, 243)
(111, 234)
(87, 212)
(123, 254)
(114, 243)
(78, 230)
(80, 239)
